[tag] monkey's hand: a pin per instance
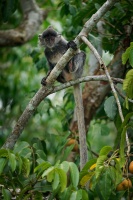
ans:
(72, 44)
(43, 81)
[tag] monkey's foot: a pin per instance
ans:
(43, 81)
(72, 45)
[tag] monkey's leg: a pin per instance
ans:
(75, 65)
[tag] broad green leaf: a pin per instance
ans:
(105, 150)
(131, 57)
(56, 181)
(128, 84)
(128, 54)
(67, 152)
(126, 120)
(100, 165)
(6, 194)
(47, 171)
(41, 154)
(65, 166)
(89, 164)
(12, 161)
(76, 195)
(50, 176)
(20, 146)
(3, 162)
(62, 178)
(125, 56)
(42, 167)
(104, 129)
(65, 195)
(20, 163)
(73, 196)
(72, 9)
(3, 153)
(85, 195)
(86, 168)
(105, 184)
(74, 173)
(26, 166)
(86, 178)
(110, 107)
(122, 147)
(115, 174)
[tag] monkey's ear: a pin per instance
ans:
(50, 26)
(40, 36)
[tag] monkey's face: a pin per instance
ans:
(49, 41)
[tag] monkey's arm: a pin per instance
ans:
(72, 44)
(43, 81)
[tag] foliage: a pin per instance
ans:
(38, 178)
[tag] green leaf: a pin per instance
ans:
(110, 107)
(122, 147)
(131, 57)
(105, 184)
(3, 162)
(65, 166)
(6, 194)
(12, 161)
(20, 146)
(47, 171)
(127, 118)
(76, 195)
(42, 167)
(128, 84)
(128, 55)
(104, 129)
(105, 150)
(115, 173)
(72, 9)
(67, 152)
(65, 195)
(125, 56)
(26, 166)
(86, 178)
(62, 178)
(3, 153)
(20, 162)
(74, 174)
(41, 154)
(85, 195)
(56, 181)
(100, 165)
(89, 164)
(50, 176)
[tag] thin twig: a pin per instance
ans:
(103, 66)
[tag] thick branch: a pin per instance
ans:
(33, 18)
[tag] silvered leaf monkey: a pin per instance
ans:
(55, 46)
